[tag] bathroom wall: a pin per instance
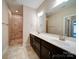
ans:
(4, 27)
(56, 21)
(29, 23)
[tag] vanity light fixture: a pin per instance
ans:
(41, 13)
(58, 2)
(62, 0)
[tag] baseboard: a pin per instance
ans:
(5, 51)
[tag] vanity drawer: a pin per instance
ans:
(47, 45)
(37, 39)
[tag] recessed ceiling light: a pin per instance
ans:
(16, 10)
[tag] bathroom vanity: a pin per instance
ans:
(48, 48)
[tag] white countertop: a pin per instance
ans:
(69, 44)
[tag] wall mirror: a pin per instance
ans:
(70, 26)
(61, 19)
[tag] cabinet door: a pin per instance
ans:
(45, 53)
(36, 47)
(31, 39)
(68, 55)
(35, 44)
(36, 50)
(61, 54)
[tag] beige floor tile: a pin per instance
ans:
(19, 52)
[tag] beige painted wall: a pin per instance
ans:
(4, 27)
(56, 21)
(29, 23)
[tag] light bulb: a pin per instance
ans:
(16, 10)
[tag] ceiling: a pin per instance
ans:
(14, 8)
(33, 3)
(18, 5)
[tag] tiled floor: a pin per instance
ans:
(19, 52)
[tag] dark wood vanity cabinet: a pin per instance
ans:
(46, 50)
(59, 53)
(45, 53)
(35, 43)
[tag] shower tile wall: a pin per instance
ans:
(15, 30)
